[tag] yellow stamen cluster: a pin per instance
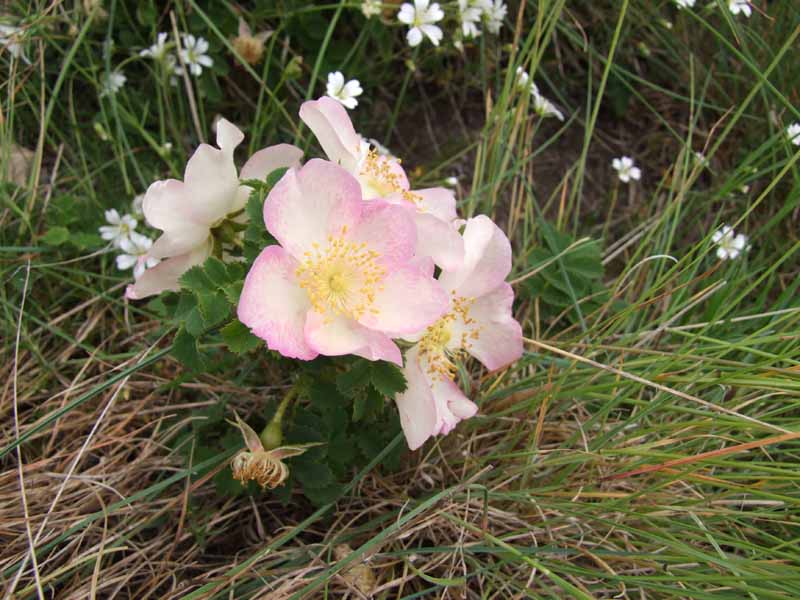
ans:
(377, 169)
(262, 467)
(434, 344)
(342, 278)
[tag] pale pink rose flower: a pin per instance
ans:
(186, 211)
(480, 322)
(432, 209)
(344, 279)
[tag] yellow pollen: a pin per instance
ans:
(377, 169)
(434, 344)
(342, 278)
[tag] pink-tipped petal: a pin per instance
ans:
(388, 230)
(499, 339)
(228, 136)
(439, 240)
(179, 241)
(339, 335)
(487, 260)
(407, 302)
(164, 276)
(311, 203)
(331, 125)
(452, 405)
(211, 183)
(274, 306)
(264, 162)
(423, 264)
(439, 202)
(416, 406)
(164, 204)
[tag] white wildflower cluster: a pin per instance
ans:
(11, 39)
(793, 133)
(133, 246)
(345, 92)
(541, 105)
(736, 7)
(740, 7)
(422, 17)
(729, 244)
(626, 170)
(193, 53)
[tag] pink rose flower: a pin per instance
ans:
(187, 211)
(344, 279)
(479, 322)
(433, 210)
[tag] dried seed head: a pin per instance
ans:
(265, 468)
(250, 47)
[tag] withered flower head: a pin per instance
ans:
(265, 467)
(250, 47)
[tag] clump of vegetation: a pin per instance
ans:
(394, 300)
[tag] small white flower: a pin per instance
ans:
(112, 83)
(745, 189)
(11, 40)
(544, 108)
(194, 55)
(793, 132)
(421, 17)
(729, 244)
(470, 15)
(684, 3)
(740, 7)
(345, 93)
(135, 249)
(701, 159)
(118, 228)
(136, 205)
(494, 14)
(157, 51)
(451, 181)
(523, 79)
(625, 169)
(371, 8)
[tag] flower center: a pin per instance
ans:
(447, 340)
(379, 180)
(342, 278)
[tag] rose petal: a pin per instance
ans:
(451, 404)
(181, 241)
(311, 203)
(339, 335)
(439, 240)
(487, 260)
(329, 122)
(439, 201)
(261, 164)
(386, 229)
(164, 276)
(211, 182)
(274, 306)
(499, 340)
(415, 405)
(228, 136)
(407, 302)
